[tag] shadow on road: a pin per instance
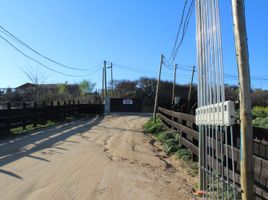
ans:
(14, 149)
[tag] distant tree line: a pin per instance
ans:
(143, 88)
(30, 92)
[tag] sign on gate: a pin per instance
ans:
(127, 101)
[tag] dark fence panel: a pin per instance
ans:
(185, 125)
(90, 108)
(21, 117)
(125, 105)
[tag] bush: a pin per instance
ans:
(184, 154)
(163, 136)
(172, 145)
(259, 111)
(260, 116)
(260, 122)
(153, 127)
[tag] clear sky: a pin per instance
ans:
(129, 33)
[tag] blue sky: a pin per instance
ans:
(130, 33)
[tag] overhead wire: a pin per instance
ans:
(185, 22)
(6, 32)
(41, 64)
(179, 29)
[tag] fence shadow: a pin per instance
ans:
(13, 150)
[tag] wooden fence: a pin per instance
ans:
(185, 125)
(21, 117)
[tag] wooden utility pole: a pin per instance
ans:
(102, 89)
(174, 84)
(191, 85)
(157, 87)
(190, 91)
(246, 148)
(112, 80)
(105, 79)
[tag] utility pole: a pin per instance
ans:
(157, 87)
(102, 88)
(105, 78)
(174, 85)
(190, 91)
(112, 80)
(246, 147)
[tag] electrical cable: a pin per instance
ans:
(38, 62)
(6, 32)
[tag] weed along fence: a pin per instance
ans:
(185, 125)
(21, 117)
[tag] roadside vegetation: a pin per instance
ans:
(31, 127)
(170, 141)
(260, 116)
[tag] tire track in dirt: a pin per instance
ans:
(112, 160)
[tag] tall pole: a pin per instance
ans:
(105, 79)
(174, 84)
(190, 91)
(102, 89)
(157, 87)
(112, 80)
(246, 159)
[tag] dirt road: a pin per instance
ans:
(105, 158)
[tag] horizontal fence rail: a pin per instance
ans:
(21, 117)
(185, 125)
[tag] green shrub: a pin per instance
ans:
(184, 154)
(171, 146)
(153, 127)
(259, 111)
(31, 127)
(260, 122)
(163, 136)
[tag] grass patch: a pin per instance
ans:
(260, 122)
(260, 116)
(171, 144)
(31, 127)
(153, 127)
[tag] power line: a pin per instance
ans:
(43, 65)
(147, 69)
(6, 32)
(179, 29)
(229, 77)
(185, 26)
(185, 21)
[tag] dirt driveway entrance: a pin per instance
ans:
(105, 158)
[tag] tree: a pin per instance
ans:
(86, 87)
(125, 88)
(36, 77)
(62, 90)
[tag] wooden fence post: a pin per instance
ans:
(24, 115)
(78, 106)
(64, 109)
(58, 110)
(35, 114)
(44, 113)
(70, 110)
(8, 115)
(52, 110)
